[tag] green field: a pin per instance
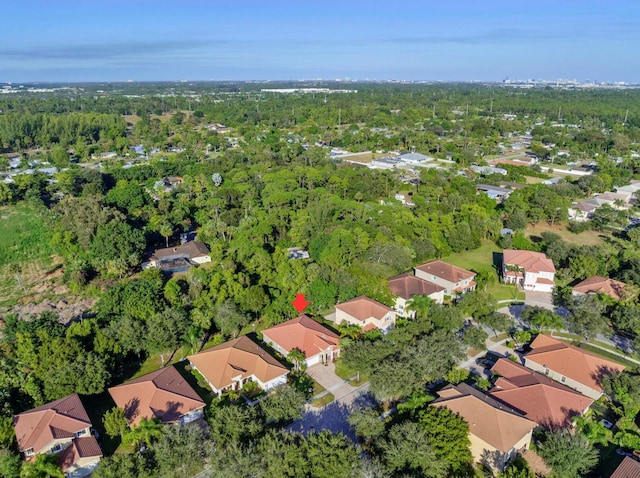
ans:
(24, 238)
(483, 259)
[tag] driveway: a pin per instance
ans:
(543, 299)
(326, 376)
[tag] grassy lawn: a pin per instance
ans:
(323, 401)
(505, 292)
(477, 259)
(586, 238)
(345, 373)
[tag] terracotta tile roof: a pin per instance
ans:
(363, 308)
(584, 207)
(629, 468)
(570, 361)
(83, 447)
(445, 271)
(190, 249)
(488, 419)
(408, 285)
(303, 333)
(537, 397)
(162, 394)
(38, 427)
(239, 357)
(597, 284)
(528, 260)
(544, 280)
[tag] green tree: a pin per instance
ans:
(10, 463)
(115, 423)
(497, 321)
(367, 423)
(180, 451)
(166, 230)
(123, 466)
(165, 331)
(421, 305)
(297, 358)
(231, 424)
(587, 316)
(475, 337)
(448, 436)
(146, 432)
(44, 466)
(282, 405)
(116, 248)
(541, 318)
(568, 455)
(408, 449)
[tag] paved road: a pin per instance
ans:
(334, 416)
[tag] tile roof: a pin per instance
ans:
(488, 419)
(83, 447)
(446, 271)
(597, 284)
(38, 427)
(190, 249)
(629, 468)
(303, 333)
(362, 308)
(570, 361)
(238, 357)
(162, 394)
(537, 397)
(528, 260)
(408, 285)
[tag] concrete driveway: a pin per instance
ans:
(326, 376)
(543, 299)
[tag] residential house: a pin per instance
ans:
(600, 285)
(405, 199)
(496, 432)
(572, 366)
(405, 286)
(454, 279)
(531, 270)
(318, 343)
(537, 397)
(629, 191)
(628, 468)
(581, 212)
(168, 184)
(366, 313)
(297, 253)
(229, 366)
(487, 170)
(494, 192)
(179, 258)
(54, 428)
(414, 158)
(163, 394)
(553, 181)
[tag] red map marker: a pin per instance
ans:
(300, 303)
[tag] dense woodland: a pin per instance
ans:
(272, 192)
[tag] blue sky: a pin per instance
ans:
(116, 40)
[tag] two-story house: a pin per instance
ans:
(455, 280)
(61, 427)
(531, 270)
(406, 286)
(366, 313)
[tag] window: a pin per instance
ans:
(546, 371)
(433, 277)
(28, 452)
(563, 379)
(56, 448)
(81, 433)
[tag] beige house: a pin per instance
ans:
(569, 365)
(366, 313)
(405, 286)
(62, 427)
(229, 366)
(600, 285)
(163, 394)
(533, 271)
(497, 432)
(455, 280)
(314, 340)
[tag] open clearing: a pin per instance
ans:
(587, 238)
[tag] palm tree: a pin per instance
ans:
(165, 230)
(421, 305)
(145, 432)
(297, 358)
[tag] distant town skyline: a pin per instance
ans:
(165, 40)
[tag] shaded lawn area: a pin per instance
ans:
(505, 292)
(345, 373)
(96, 406)
(609, 460)
(196, 380)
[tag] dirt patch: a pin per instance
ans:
(537, 464)
(66, 311)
